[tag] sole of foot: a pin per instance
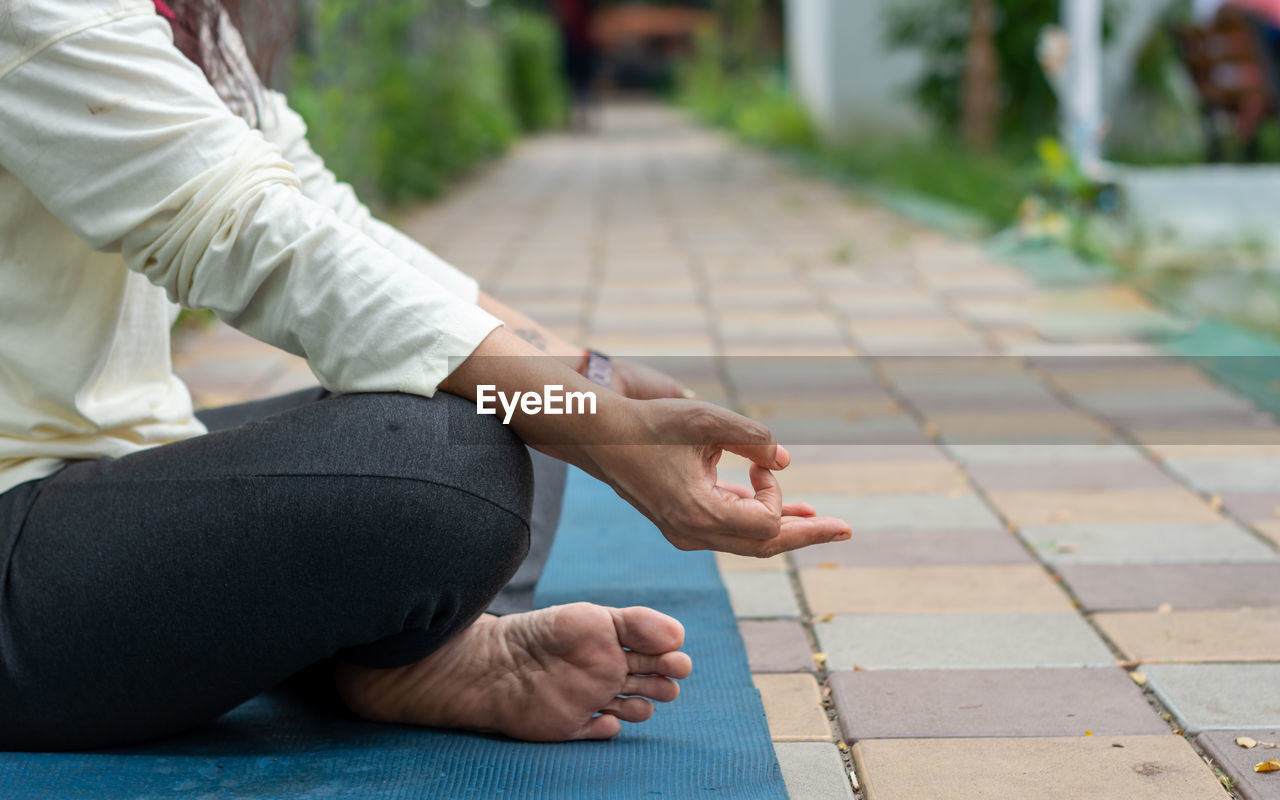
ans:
(556, 674)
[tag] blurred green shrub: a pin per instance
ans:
(401, 98)
(531, 44)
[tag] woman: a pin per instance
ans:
(155, 574)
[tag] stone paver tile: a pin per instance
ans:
(761, 594)
(832, 453)
(728, 562)
(1132, 374)
(1139, 768)
(1142, 587)
(760, 403)
(1165, 400)
(1238, 761)
(776, 646)
(873, 477)
(1211, 450)
(836, 429)
(793, 706)
(1219, 696)
(1045, 453)
(1271, 530)
(1253, 506)
(907, 512)
(1114, 507)
(1228, 475)
(960, 641)
(1020, 426)
(813, 771)
(914, 548)
(950, 589)
(1146, 543)
(1083, 476)
(1218, 635)
(1160, 438)
(953, 703)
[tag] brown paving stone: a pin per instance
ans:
(1214, 635)
(1137, 587)
(1081, 508)
(910, 704)
(1018, 426)
(776, 646)
(1270, 529)
(1140, 768)
(1238, 762)
(932, 590)
(914, 548)
(1082, 476)
(793, 707)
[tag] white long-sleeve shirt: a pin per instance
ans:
(127, 185)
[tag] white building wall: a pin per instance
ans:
(847, 76)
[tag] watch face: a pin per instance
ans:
(599, 370)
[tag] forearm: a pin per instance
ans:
(536, 334)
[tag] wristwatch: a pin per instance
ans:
(596, 367)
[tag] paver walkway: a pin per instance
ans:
(1061, 584)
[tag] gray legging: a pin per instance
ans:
(146, 595)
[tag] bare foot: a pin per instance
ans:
(560, 673)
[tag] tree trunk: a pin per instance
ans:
(981, 78)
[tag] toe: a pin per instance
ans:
(647, 631)
(605, 726)
(664, 690)
(630, 709)
(673, 665)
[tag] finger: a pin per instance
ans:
(605, 726)
(673, 665)
(737, 490)
(794, 533)
(631, 709)
(798, 509)
(768, 491)
(737, 434)
(654, 687)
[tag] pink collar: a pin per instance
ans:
(162, 8)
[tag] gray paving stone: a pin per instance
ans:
(776, 646)
(1146, 543)
(1228, 475)
(1238, 761)
(1139, 587)
(960, 641)
(1074, 476)
(1219, 696)
(827, 452)
(908, 512)
(917, 704)
(1253, 506)
(813, 771)
(761, 594)
(914, 548)
(1043, 453)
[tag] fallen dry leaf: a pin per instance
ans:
(842, 746)
(826, 618)
(1270, 765)
(820, 658)
(828, 565)
(1164, 608)
(1088, 733)
(1246, 742)
(1215, 502)
(1139, 678)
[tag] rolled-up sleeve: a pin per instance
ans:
(123, 139)
(285, 127)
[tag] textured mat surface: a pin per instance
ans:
(713, 742)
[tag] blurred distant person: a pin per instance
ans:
(581, 58)
(1266, 11)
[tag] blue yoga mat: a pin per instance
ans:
(712, 742)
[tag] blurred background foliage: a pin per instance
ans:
(403, 97)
